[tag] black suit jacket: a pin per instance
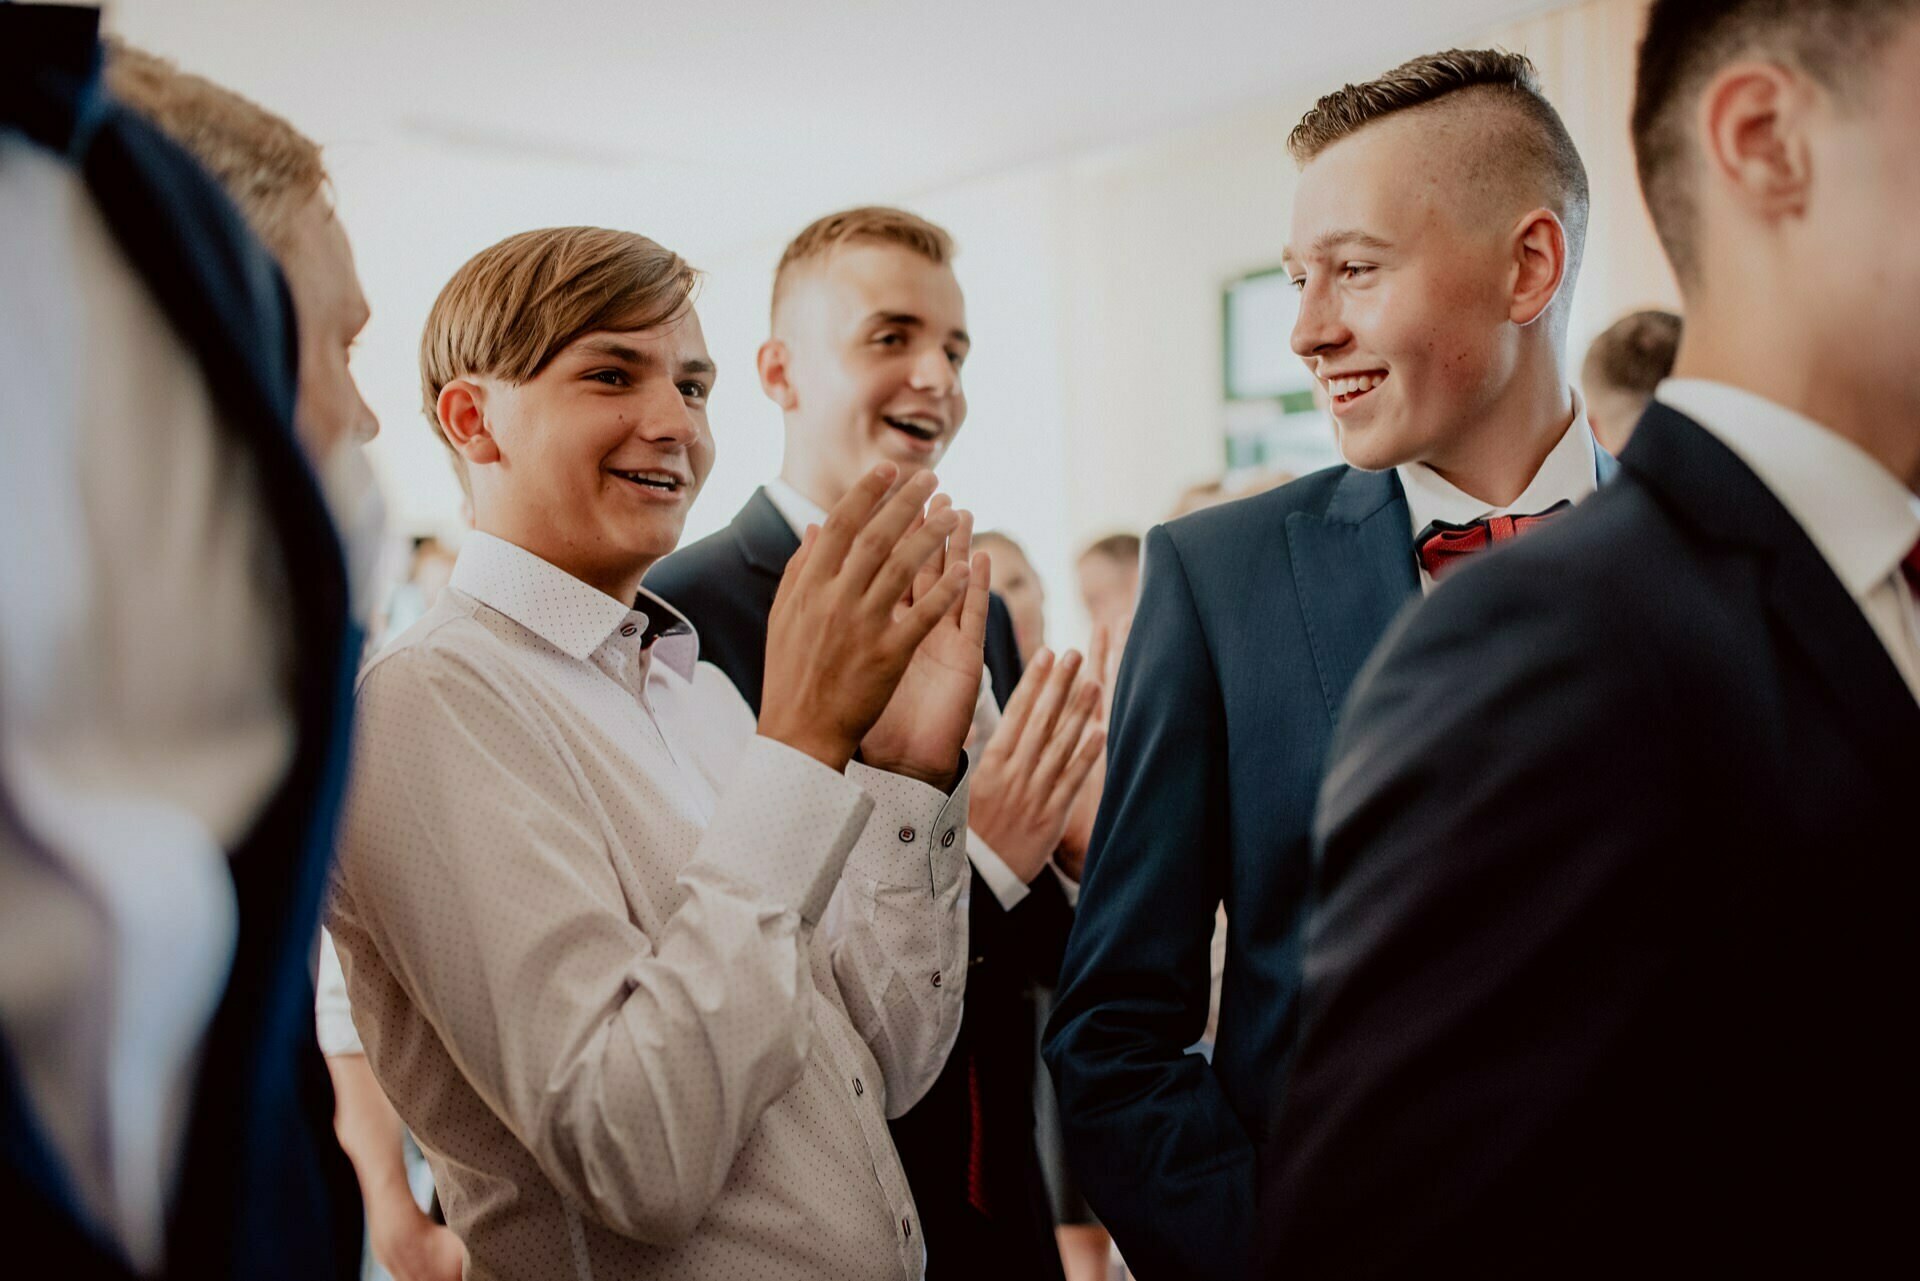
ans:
(1611, 949)
(725, 585)
(263, 1189)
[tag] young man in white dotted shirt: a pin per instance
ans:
(646, 983)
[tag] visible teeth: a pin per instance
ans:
(656, 480)
(1353, 385)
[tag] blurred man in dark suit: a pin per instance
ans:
(175, 647)
(869, 337)
(1610, 948)
(1436, 236)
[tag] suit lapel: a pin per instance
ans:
(1353, 569)
(1717, 493)
(765, 539)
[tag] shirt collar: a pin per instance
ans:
(798, 510)
(1859, 516)
(1568, 472)
(563, 611)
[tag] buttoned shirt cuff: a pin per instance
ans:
(929, 846)
(787, 824)
(1008, 889)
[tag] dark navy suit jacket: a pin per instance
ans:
(1612, 947)
(1254, 618)
(263, 1188)
(725, 585)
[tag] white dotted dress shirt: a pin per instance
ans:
(646, 987)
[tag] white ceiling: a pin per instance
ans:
(731, 121)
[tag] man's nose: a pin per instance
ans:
(1318, 327)
(933, 371)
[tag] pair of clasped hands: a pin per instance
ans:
(875, 645)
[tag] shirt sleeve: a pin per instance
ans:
(897, 930)
(332, 1012)
(632, 1067)
(1007, 887)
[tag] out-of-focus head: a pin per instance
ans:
(1109, 574)
(1622, 368)
(1777, 151)
(1437, 231)
(567, 370)
(1015, 581)
(274, 175)
(869, 332)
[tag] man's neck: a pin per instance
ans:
(1499, 458)
(1797, 371)
(811, 483)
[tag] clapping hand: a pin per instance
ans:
(921, 731)
(1072, 854)
(1038, 761)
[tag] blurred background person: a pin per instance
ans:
(175, 643)
(276, 176)
(1108, 575)
(1623, 366)
(1016, 582)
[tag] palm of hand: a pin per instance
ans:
(927, 718)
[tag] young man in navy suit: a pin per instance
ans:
(1611, 932)
(869, 337)
(1436, 236)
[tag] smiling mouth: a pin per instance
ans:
(1348, 388)
(658, 481)
(917, 428)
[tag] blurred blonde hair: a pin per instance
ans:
(267, 167)
(869, 223)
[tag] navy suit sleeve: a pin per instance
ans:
(1159, 1153)
(1494, 893)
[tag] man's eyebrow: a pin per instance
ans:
(614, 350)
(698, 366)
(1327, 241)
(908, 320)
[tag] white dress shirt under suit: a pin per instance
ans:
(645, 987)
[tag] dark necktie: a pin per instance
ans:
(976, 1141)
(1443, 545)
(1910, 567)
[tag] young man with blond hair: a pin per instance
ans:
(1437, 228)
(869, 337)
(646, 983)
(1611, 953)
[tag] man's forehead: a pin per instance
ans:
(680, 338)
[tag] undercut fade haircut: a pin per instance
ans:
(1635, 352)
(515, 306)
(1538, 145)
(269, 169)
(870, 224)
(1687, 42)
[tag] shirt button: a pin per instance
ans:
(629, 630)
(906, 1228)
(906, 835)
(946, 842)
(858, 1089)
(936, 978)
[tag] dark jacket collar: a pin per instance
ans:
(763, 535)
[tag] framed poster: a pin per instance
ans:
(1270, 415)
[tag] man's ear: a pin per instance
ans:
(1540, 265)
(1752, 127)
(461, 410)
(771, 361)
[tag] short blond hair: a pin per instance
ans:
(515, 306)
(876, 224)
(267, 167)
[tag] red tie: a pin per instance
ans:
(1911, 568)
(976, 1141)
(1442, 545)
